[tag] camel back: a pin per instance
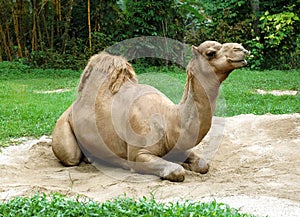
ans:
(116, 68)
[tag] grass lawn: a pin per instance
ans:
(23, 110)
(26, 111)
(239, 90)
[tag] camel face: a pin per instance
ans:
(223, 57)
(235, 54)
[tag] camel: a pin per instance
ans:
(134, 126)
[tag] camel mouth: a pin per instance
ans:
(242, 61)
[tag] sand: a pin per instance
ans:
(255, 166)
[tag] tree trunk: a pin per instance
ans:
(16, 27)
(34, 31)
(22, 25)
(89, 25)
(10, 42)
(52, 25)
(1, 54)
(58, 12)
(4, 40)
(45, 13)
(40, 35)
(256, 13)
(6, 46)
(67, 25)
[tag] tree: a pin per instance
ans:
(256, 13)
(51, 32)
(89, 25)
(67, 25)
(16, 26)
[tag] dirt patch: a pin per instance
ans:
(255, 166)
(278, 92)
(54, 91)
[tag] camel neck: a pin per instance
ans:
(202, 85)
(201, 92)
(199, 102)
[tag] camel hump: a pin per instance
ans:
(116, 68)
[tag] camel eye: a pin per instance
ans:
(210, 54)
(237, 49)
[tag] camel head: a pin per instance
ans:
(221, 58)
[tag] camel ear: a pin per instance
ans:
(210, 53)
(195, 50)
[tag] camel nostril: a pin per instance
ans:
(246, 51)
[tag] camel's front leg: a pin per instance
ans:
(145, 162)
(195, 163)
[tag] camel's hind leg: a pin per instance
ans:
(64, 144)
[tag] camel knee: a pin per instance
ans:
(71, 161)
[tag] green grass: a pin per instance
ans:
(24, 112)
(58, 205)
(241, 97)
(239, 90)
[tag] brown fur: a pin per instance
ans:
(134, 126)
(116, 68)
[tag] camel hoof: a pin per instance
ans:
(176, 175)
(203, 166)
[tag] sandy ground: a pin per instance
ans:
(255, 166)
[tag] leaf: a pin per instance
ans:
(192, 10)
(278, 26)
(262, 18)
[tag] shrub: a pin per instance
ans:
(59, 205)
(276, 48)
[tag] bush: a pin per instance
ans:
(55, 60)
(58, 205)
(276, 48)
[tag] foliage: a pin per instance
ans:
(229, 20)
(277, 27)
(277, 47)
(58, 205)
(153, 18)
(27, 110)
(52, 59)
(234, 20)
(256, 57)
(278, 37)
(195, 20)
(44, 33)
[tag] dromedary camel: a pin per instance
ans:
(119, 121)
